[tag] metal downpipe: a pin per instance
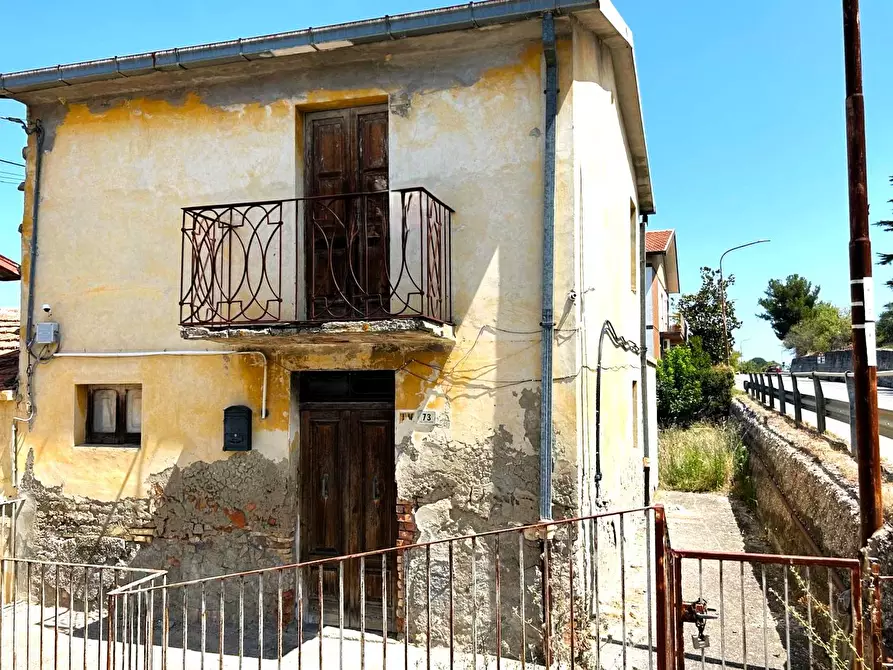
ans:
(643, 362)
(551, 60)
(37, 129)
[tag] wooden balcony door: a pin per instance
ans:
(346, 236)
(349, 493)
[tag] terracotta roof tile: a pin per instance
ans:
(657, 241)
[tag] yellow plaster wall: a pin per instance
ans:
(183, 402)
(605, 187)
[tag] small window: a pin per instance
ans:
(114, 414)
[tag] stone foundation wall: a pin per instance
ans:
(205, 519)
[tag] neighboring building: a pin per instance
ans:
(9, 372)
(375, 349)
(665, 328)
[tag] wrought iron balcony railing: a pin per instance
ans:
(325, 258)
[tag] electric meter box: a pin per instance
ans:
(47, 333)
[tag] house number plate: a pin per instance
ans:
(427, 417)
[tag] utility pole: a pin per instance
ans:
(861, 283)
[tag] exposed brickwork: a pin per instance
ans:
(406, 535)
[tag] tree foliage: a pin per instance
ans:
(885, 326)
(885, 258)
(788, 302)
(703, 311)
(826, 329)
(757, 364)
(689, 388)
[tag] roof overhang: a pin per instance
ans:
(9, 270)
(670, 259)
(599, 16)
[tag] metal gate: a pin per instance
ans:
(749, 610)
(881, 587)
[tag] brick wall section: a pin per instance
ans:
(406, 535)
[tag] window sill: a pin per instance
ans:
(107, 446)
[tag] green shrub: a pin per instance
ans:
(702, 457)
(716, 389)
(689, 389)
(678, 387)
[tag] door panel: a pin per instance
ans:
(376, 524)
(349, 500)
(322, 433)
(347, 239)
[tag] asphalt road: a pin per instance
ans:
(836, 390)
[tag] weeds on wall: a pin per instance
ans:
(829, 635)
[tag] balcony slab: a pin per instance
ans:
(406, 331)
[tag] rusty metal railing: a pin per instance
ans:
(767, 611)
(568, 593)
(881, 588)
(345, 257)
(9, 514)
(53, 613)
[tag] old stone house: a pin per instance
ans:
(286, 296)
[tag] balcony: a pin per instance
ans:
(677, 330)
(332, 268)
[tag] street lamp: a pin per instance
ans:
(722, 294)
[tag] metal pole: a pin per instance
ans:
(725, 321)
(861, 282)
(548, 327)
(722, 294)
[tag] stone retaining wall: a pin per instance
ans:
(797, 490)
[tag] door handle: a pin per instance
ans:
(324, 485)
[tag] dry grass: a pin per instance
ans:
(703, 457)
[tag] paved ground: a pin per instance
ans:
(836, 390)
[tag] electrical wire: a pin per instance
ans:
(2, 160)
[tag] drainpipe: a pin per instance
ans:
(646, 446)
(37, 129)
(551, 92)
(643, 357)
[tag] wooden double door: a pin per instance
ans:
(349, 500)
(347, 218)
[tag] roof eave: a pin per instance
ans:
(600, 16)
(445, 19)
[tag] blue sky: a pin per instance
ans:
(743, 110)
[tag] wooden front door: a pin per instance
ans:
(349, 497)
(346, 235)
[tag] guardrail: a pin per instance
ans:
(760, 387)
